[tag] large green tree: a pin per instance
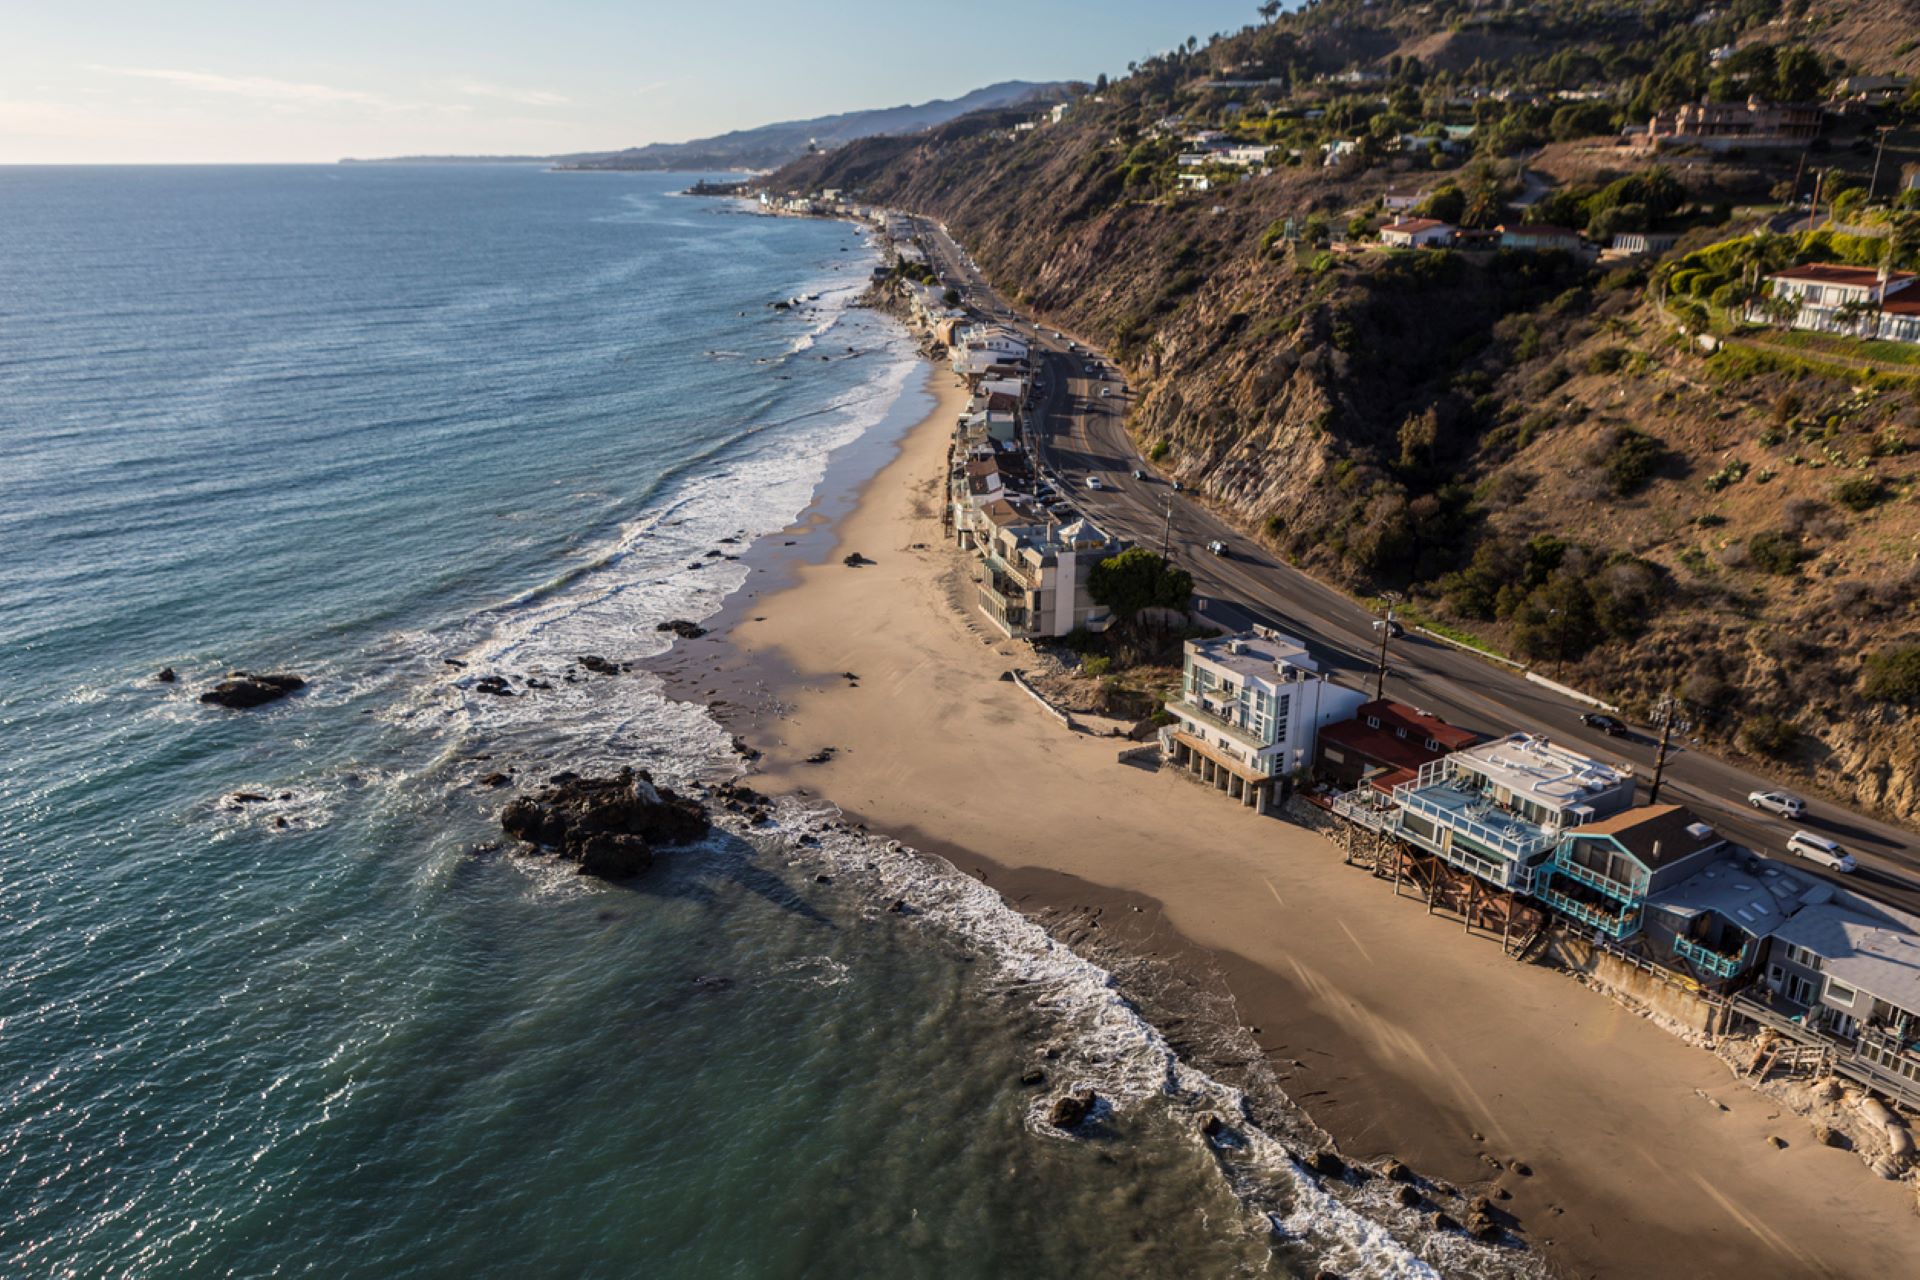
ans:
(1137, 580)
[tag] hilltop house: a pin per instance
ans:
(1863, 302)
(1723, 125)
(1250, 707)
(1384, 745)
(1538, 236)
(1417, 233)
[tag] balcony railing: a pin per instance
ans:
(1627, 893)
(1503, 839)
(1707, 960)
(1011, 617)
(1615, 924)
(1206, 715)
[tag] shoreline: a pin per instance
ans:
(1641, 1155)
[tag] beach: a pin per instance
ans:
(1617, 1149)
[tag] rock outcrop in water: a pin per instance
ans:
(243, 689)
(609, 827)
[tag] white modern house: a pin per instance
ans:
(1862, 302)
(1250, 708)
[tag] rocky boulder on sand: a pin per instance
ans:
(608, 826)
(242, 689)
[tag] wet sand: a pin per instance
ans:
(1624, 1151)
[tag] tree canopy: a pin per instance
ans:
(1137, 580)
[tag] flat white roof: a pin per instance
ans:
(1252, 654)
(1541, 769)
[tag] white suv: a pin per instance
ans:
(1820, 850)
(1778, 802)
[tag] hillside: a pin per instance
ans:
(1519, 442)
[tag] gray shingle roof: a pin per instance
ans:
(1878, 956)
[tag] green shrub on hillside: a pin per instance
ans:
(1768, 735)
(1859, 493)
(1893, 675)
(1777, 551)
(1631, 460)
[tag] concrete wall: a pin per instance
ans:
(1674, 1006)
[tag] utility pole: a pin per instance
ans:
(1667, 708)
(1166, 532)
(1386, 632)
(1873, 183)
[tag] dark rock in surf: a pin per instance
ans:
(495, 780)
(682, 628)
(243, 689)
(598, 665)
(495, 685)
(1033, 1077)
(609, 827)
(1409, 1197)
(247, 797)
(166, 676)
(1070, 1110)
(1326, 1164)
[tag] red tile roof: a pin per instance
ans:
(1836, 273)
(1413, 225)
(1385, 744)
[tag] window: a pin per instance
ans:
(1399, 733)
(1373, 722)
(1840, 993)
(1433, 744)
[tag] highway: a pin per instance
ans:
(1078, 432)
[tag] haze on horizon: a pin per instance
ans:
(225, 81)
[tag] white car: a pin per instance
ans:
(1821, 851)
(1105, 392)
(1093, 482)
(1782, 803)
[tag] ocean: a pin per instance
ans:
(396, 429)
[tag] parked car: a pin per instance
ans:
(1178, 487)
(1105, 392)
(1820, 850)
(1138, 474)
(1782, 803)
(1394, 629)
(1218, 547)
(1093, 482)
(1605, 724)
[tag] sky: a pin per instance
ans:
(263, 81)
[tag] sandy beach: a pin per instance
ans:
(1625, 1151)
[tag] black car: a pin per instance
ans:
(1605, 724)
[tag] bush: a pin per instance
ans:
(1893, 675)
(1768, 735)
(1607, 360)
(1776, 551)
(1632, 459)
(1161, 448)
(1860, 493)
(1097, 665)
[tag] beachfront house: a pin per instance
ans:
(1384, 745)
(1853, 967)
(1498, 810)
(1862, 302)
(1673, 889)
(1417, 233)
(1250, 708)
(1032, 579)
